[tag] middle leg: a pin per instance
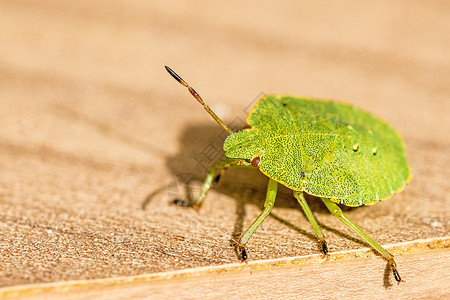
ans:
(309, 215)
(268, 205)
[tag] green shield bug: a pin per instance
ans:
(322, 148)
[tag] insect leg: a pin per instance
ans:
(268, 205)
(214, 173)
(337, 212)
(309, 215)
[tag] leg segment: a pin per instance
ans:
(268, 205)
(337, 212)
(309, 215)
(217, 169)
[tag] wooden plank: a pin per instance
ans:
(96, 139)
(357, 273)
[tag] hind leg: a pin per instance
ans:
(337, 212)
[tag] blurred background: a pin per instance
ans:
(93, 130)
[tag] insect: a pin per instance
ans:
(322, 148)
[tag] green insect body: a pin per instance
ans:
(323, 148)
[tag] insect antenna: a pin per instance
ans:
(199, 99)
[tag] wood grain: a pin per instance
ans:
(346, 273)
(96, 139)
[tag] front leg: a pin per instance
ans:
(214, 173)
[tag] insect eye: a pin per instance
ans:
(255, 161)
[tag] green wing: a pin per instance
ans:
(349, 154)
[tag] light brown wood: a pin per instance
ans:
(352, 273)
(96, 139)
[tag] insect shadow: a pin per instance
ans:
(200, 146)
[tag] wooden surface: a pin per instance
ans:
(96, 139)
(347, 273)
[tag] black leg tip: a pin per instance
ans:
(396, 275)
(244, 254)
(216, 180)
(181, 202)
(393, 266)
(324, 248)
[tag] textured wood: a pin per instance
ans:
(96, 139)
(347, 273)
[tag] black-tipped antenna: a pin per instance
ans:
(199, 99)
